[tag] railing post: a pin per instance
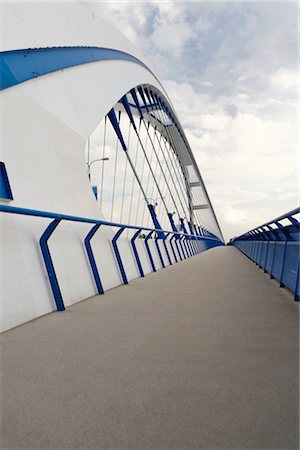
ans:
(180, 239)
(159, 252)
(49, 264)
(186, 246)
(87, 243)
(296, 297)
(179, 250)
(137, 258)
(149, 252)
(118, 256)
(171, 244)
(167, 251)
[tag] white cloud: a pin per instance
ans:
(285, 79)
(172, 38)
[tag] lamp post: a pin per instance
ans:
(92, 162)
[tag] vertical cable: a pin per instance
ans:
(133, 179)
(115, 170)
(126, 164)
(103, 156)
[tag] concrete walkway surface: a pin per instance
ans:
(202, 355)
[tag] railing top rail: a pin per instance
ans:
(283, 216)
(51, 215)
(270, 222)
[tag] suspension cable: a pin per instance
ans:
(115, 171)
(133, 179)
(147, 185)
(103, 156)
(142, 174)
(169, 136)
(160, 164)
(125, 175)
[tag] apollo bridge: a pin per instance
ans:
(127, 322)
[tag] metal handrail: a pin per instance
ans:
(287, 215)
(275, 250)
(183, 239)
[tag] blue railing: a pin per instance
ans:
(274, 247)
(186, 245)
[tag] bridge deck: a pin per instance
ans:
(203, 355)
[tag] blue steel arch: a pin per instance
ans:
(18, 66)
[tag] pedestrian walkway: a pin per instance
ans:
(202, 355)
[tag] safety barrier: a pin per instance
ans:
(186, 245)
(274, 247)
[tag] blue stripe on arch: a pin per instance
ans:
(17, 66)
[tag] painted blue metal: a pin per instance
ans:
(51, 215)
(189, 246)
(141, 92)
(18, 66)
(57, 218)
(191, 227)
(95, 191)
(5, 189)
(149, 251)
(167, 251)
(173, 250)
(49, 264)
(157, 239)
(170, 215)
(297, 290)
(186, 242)
(126, 105)
(114, 121)
(136, 101)
(152, 107)
(137, 258)
(178, 247)
(118, 256)
(275, 249)
(155, 221)
(87, 243)
(183, 248)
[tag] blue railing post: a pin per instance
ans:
(282, 228)
(167, 251)
(159, 252)
(283, 240)
(296, 298)
(137, 258)
(179, 239)
(49, 264)
(182, 252)
(118, 256)
(173, 250)
(87, 243)
(149, 251)
(183, 246)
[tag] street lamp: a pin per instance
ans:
(92, 162)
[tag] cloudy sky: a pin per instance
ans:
(231, 71)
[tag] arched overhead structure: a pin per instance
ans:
(151, 173)
(80, 106)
